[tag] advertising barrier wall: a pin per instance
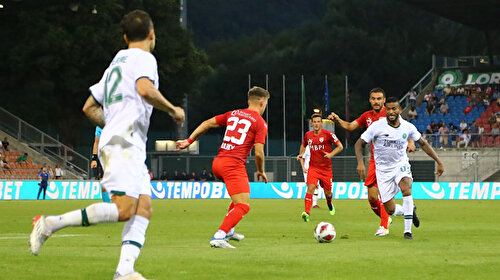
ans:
(26, 190)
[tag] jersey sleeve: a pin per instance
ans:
(260, 134)
(414, 134)
(304, 141)
(146, 67)
(97, 90)
(362, 120)
(221, 119)
(334, 138)
(368, 135)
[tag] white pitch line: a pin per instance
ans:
(57, 235)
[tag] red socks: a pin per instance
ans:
(234, 216)
(379, 209)
(308, 202)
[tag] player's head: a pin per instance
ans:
(316, 122)
(377, 99)
(392, 110)
(257, 98)
(137, 26)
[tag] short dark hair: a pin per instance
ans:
(136, 25)
(316, 115)
(377, 89)
(392, 99)
(258, 92)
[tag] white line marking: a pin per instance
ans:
(24, 236)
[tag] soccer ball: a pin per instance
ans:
(325, 232)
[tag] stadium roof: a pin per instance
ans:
(479, 14)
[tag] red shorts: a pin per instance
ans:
(233, 173)
(371, 177)
(324, 177)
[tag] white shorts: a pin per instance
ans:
(125, 171)
(388, 181)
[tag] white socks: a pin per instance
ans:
(220, 234)
(133, 238)
(315, 197)
(93, 214)
(398, 211)
(408, 212)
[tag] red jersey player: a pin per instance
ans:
(244, 129)
(321, 143)
(377, 100)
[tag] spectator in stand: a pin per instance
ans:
(5, 144)
(474, 132)
(447, 90)
(204, 175)
(464, 139)
(495, 131)
(3, 163)
(444, 109)
(494, 95)
(431, 128)
(431, 107)
(477, 88)
(22, 158)
(488, 91)
(443, 136)
(461, 90)
(164, 175)
(1, 148)
(58, 172)
(192, 176)
(427, 97)
(463, 126)
(176, 176)
(468, 90)
(184, 176)
(412, 114)
(413, 97)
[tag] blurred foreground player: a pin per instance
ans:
(245, 128)
(389, 137)
(321, 143)
(121, 103)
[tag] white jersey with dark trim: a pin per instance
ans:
(126, 113)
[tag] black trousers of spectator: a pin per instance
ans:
(44, 188)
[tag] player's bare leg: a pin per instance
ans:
(240, 207)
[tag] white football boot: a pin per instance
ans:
(235, 236)
(381, 231)
(130, 276)
(221, 243)
(39, 234)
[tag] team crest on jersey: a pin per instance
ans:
(404, 135)
(369, 122)
(321, 139)
(309, 142)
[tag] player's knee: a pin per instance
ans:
(390, 211)
(244, 207)
(125, 212)
(146, 212)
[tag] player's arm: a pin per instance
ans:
(93, 111)
(153, 96)
(302, 150)
(430, 151)
(411, 145)
(349, 126)
(335, 151)
(200, 130)
(259, 162)
(358, 148)
(93, 163)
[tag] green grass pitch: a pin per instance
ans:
(456, 240)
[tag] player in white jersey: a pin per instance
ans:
(304, 162)
(390, 140)
(121, 103)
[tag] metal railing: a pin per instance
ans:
(42, 143)
(421, 86)
(460, 165)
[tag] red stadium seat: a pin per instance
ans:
(497, 141)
